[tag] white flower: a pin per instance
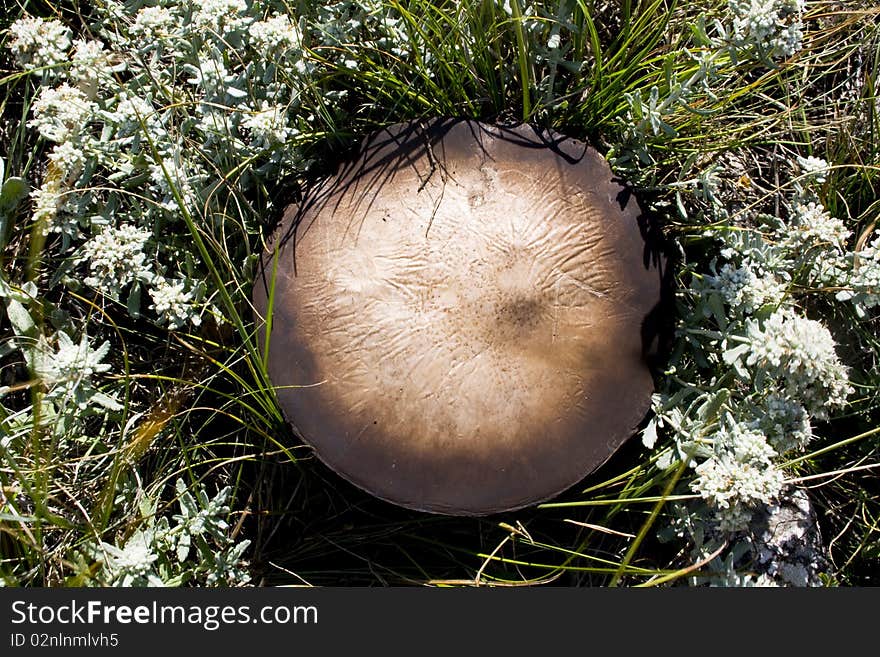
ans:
(743, 289)
(269, 125)
(152, 22)
(278, 32)
(813, 167)
(788, 40)
(745, 443)
(115, 258)
(173, 305)
(553, 41)
(772, 26)
(60, 113)
(785, 423)
(219, 16)
(54, 210)
(734, 486)
(47, 202)
(68, 157)
(800, 353)
(91, 63)
(811, 223)
(39, 42)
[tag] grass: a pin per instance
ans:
(196, 404)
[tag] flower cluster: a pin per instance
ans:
(268, 126)
(773, 28)
(814, 168)
(277, 34)
(91, 65)
(174, 306)
(115, 258)
(744, 290)
(37, 42)
(59, 114)
(219, 16)
(799, 353)
(67, 158)
(811, 225)
(153, 22)
(784, 422)
(739, 476)
(770, 370)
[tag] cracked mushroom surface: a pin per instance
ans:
(457, 316)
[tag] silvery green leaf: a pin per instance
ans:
(106, 401)
(183, 547)
(236, 93)
(680, 205)
(65, 341)
(20, 318)
(146, 506)
(710, 409)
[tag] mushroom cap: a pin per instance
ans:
(458, 313)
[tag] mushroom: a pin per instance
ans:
(457, 316)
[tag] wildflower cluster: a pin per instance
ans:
(39, 43)
(115, 257)
(771, 369)
(798, 353)
(771, 28)
(146, 118)
(59, 114)
(739, 475)
(746, 288)
(173, 304)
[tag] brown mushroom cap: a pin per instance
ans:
(457, 317)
